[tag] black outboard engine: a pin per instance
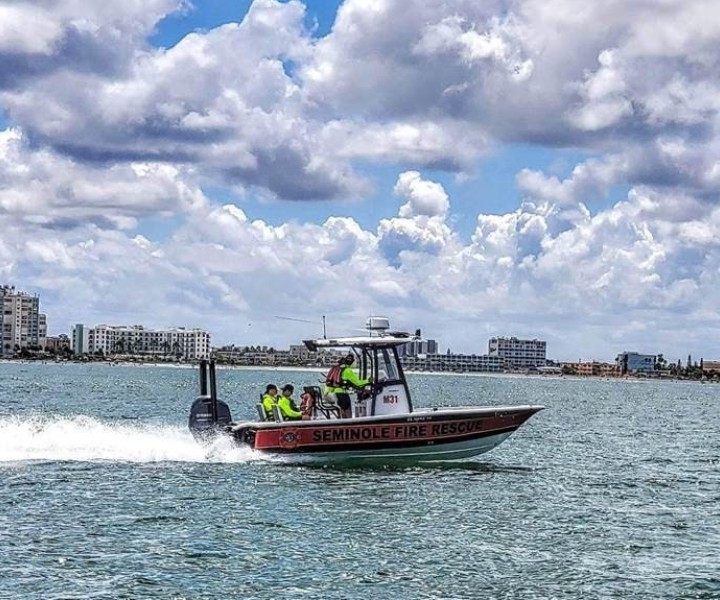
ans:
(208, 415)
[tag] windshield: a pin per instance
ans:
(387, 366)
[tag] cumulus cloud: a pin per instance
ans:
(420, 225)
(423, 197)
(107, 131)
(40, 38)
(612, 273)
(222, 101)
(27, 30)
(261, 104)
(458, 37)
(534, 70)
(48, 189)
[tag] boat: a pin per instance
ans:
(383, 425)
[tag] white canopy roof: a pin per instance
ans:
(394, 339)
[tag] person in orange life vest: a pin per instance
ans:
(287, 406)
(307, 404)
(340, 380)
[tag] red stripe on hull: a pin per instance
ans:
(330, 436)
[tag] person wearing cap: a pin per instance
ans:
(341, 379)
(269, 400)
(286, 405)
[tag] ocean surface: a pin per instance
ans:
(612, 492)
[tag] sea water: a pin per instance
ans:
(612, 492)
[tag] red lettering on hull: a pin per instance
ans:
(329, 435)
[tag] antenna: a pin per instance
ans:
(294, 319)
(304, 321)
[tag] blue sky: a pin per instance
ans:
(472, 169)
(208, 14)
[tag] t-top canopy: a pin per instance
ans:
(396, 338)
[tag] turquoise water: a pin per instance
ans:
(613, 492)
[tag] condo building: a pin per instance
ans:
(634, 362)
(459, 363)
(21, 322)
(418, 348)
(517, 353)
(120, 339)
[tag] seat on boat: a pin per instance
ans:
(327, 405)
(277, 415)
(261, 411)
(320, 407)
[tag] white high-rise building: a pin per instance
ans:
(517, 353)
(22, 325)
(136, 339)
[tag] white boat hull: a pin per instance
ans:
(422, 436)
(439, 453)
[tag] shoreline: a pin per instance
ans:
(306, 369)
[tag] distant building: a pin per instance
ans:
(21, 322)
(81, 339)
(58, 343)
(459, 363)
(418, 347)
(517, 353)
(136, 339)
(711, 365)
(633, 362)
(592, 368)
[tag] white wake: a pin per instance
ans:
(87, 439)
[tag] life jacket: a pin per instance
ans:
(334, 377)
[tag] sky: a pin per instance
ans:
(534, 168)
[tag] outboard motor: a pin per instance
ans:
(208, 415)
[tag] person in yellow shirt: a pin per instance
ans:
(287, 407)
(269, 400)
(340, 380)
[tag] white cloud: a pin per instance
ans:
(520, 273)
(605, 96)
(423, 197)
(40, 38)
(221, 101)
(27, 29)
(44, 188)
(261, 105)
(455, 35)
(108, 131)
(420, 226)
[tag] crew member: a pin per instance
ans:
(307, 403)
(286, 405)
(269, 400)
(340, 380)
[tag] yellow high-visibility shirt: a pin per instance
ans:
(288, 412)
(268, 402)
